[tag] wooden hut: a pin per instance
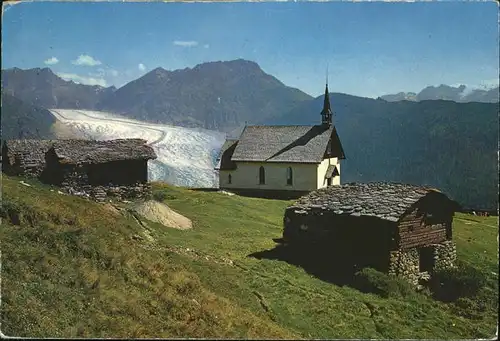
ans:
(395, 228)
(24, 157)
(83, 165)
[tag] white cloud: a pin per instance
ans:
(184, 43)
(82, 79)
(103, 72)
(206, 46)
(141, 67)
(86, 60)
(489, 83)
(51, 61)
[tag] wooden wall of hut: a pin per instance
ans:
(360, 241)
(53, 172)
(21, 164)
(126, 172)
(123, 172)
(429, 222)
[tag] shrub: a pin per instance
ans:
(159, 196)
(10, 211)
(373, 281)
(451, 284)
(469, 308)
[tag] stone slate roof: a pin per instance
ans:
(224, 158)
(388, 201)
(30, 153)
(298, 144)
(92, 152)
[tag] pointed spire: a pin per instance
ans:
(326, 101)
(327, 74)
(326, 113)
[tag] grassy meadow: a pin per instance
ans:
(74, 268)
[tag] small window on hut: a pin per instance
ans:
(229, 179)
(289, 176)
(262, 176)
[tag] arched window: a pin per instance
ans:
(229, 179)
(289, 176)
(262, 175)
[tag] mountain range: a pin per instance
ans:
(461, 94)
(43, 88)
(443, 143)
(217, 95)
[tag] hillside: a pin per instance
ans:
(460, 93)
(43, 88)
(21, 120)
(449, 145)
(216, 95)
(75, 268)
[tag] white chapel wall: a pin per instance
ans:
(246, 176)
(323, 167)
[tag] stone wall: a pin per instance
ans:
(445, 255)
(75, 180)
(405, 264)
(18, 169)
(102, 193)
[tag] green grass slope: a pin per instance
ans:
(76, 268)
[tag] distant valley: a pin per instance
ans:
(443, 143)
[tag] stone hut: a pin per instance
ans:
(24, 157)
(399, 229)
(99, 168)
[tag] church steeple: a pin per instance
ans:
(326, 113)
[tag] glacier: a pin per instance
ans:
(186, 157)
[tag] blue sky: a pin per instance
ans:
(371, 48)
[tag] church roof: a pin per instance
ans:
(387, 201)
(297, 144)
(224, 158)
